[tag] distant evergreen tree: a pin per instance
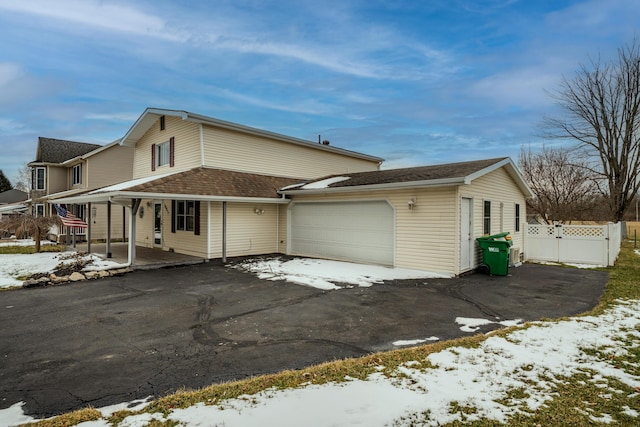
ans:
(5, 184)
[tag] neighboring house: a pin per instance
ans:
(63, 168)
(10, 202)
(12, 196)
(213, 189)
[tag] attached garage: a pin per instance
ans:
(358, 231)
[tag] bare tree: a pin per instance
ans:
(602, 113)
(22, 180)
(564, 189)
(30, 225)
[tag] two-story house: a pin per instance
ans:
(209, 188)
(212, 189)
(63, 168)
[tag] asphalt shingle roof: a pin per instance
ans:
(12, 196)
(51, 150)
(216, 182)
(420, 173)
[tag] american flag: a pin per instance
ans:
(69, 219)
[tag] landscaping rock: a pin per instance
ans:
(91, 275)
(75, 276)
(103, 273)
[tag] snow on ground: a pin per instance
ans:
(414, 342)
(459, 377)
(24, 242)
(325, 274)
(469, 324)
(13, 266)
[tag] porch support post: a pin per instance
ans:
(224, 232)
(135, 204)
(124, 224)
(74, 230)
(88, 216)
(108, 229)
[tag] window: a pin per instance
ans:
(163, 152)
(517, 217)
(76, 175)
(185, 215)
(486, 217)
(162, 124)
(39, 210)
(38, 178)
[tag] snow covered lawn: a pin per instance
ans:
(328, 275)
(514, 375)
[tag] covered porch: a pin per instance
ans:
(146, 258)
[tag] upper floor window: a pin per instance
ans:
(38, 178)
(76, 175)
(486, 216)
(517, 217)
(162, 154)
(162, 123)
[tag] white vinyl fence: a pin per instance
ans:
(577, 244)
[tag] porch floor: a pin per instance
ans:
(146, 258)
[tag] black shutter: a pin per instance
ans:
(173, 216)
(196, 218)
(153, 157)
(172, 144)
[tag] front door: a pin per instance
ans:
(157, 224)
(466, 243)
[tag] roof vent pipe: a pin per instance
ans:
(326, 142)
(319, 141)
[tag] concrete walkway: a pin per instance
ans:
(146, 258)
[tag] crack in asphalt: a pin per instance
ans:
(455, 291)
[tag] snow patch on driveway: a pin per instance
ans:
(329, 275)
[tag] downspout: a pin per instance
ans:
(224, 232)
(88, 216)
(109, 228)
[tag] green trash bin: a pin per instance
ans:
(495, 252)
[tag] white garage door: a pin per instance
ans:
(351, 231)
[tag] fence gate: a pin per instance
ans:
(580, 244)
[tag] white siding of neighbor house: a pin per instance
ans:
(497, 187)
(232, 150)
(424, 236)
(247, 232)
(187, 147)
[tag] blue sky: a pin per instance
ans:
(414, 82)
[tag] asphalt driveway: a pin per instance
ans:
(149, 333)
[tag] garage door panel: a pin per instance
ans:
(352, 231)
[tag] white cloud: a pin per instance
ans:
(93, 13)
(8, 73)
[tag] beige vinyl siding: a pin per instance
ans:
(232, 150)
(187, 147)
(99, 223)
(57, 179)
(184, 242)
(282, 228)
(247, 232)
(423, 236)
(110, 166)
(499, 188)
(144, 225)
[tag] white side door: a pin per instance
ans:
(466, 239)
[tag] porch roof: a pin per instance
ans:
(195, 184)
